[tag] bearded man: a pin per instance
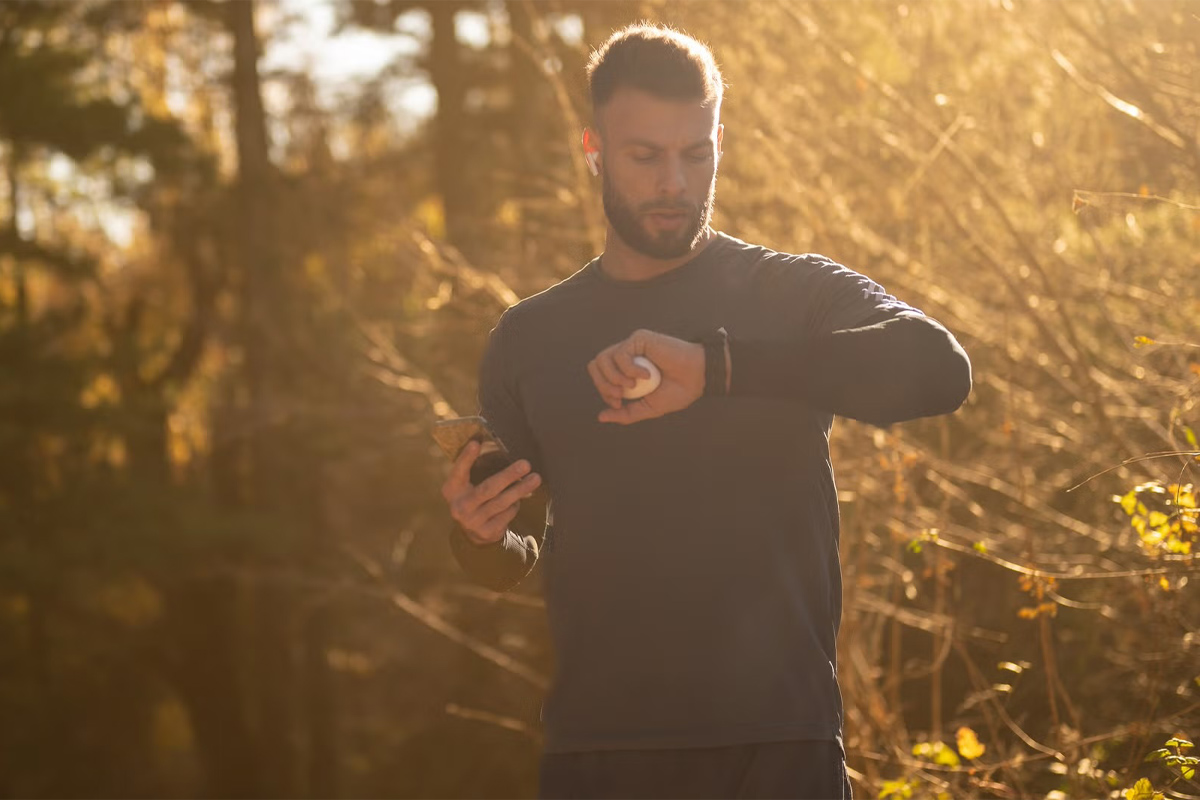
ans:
(690, 548)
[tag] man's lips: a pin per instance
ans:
(667, 218)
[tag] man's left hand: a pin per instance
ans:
(681, 364)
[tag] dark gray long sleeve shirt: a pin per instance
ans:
(690, 562)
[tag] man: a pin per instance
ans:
(690, 550)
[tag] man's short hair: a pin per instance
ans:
(657, 59)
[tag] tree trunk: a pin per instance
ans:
(274, 667)
(37, 673)
(524, 120)
(320, 705)
(450, 157)
(206, 658)
(14, 205)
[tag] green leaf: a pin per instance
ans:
(1142, 790)
(1142, 341)
(1158, 754)
(1191, 437)
(1182, 744)
(937, 752)
(902, 789)
(980, 547)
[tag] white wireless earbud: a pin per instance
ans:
(591, 162)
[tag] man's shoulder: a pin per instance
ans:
(548, 301)
(769, 261)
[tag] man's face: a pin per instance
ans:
(659, 167)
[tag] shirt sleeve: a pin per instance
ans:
(503, 564)
(843, 298)
(864, 355)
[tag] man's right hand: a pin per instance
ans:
(485, 511)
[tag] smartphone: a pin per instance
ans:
(452, 435)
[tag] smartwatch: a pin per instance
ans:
(714, 362)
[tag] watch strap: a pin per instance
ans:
(714, 362)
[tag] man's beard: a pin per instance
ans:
(627, 222)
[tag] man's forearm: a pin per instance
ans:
(503, 564)
(500, 565)
(901, 368)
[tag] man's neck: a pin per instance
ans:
(622, 263)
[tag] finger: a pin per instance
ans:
(491, 529)
(603, 387)
(460, 470)
(497, 483)
(611, 394)
(608, 367)
(513, 494)
(500, 522)
(465, 507)
(624, 361)
(629, 413)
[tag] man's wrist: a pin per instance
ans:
(477, 544)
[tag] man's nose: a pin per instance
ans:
(672, 179)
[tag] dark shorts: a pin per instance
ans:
(792, 769)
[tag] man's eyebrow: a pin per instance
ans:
(649, 145)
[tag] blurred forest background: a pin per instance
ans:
(232, 303)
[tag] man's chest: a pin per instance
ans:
(561, 402)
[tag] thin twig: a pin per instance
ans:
(1191, 565)
(1134, 460)
(1084, 195)
(509, 723)
(435, 622)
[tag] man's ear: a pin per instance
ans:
(591, 151)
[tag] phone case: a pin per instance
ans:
(452, 436)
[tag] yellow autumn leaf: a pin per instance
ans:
(968, 743)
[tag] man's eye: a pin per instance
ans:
(705, 156)
(644, 159)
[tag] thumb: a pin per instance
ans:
(628, 413)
